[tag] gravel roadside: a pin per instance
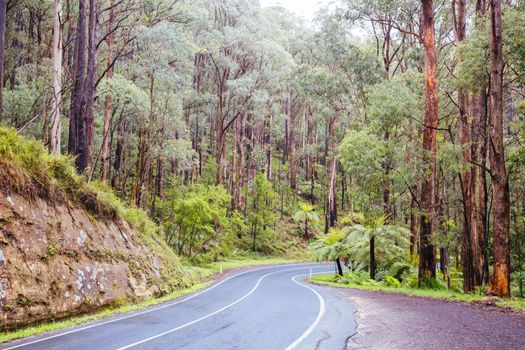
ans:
(396, 321)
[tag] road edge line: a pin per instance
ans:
(322, 309)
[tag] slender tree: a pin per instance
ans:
(56, 127)
(79, 68)
(3, 23)
(104, 172)
(500, 284)
(86, 125)
(427, 268)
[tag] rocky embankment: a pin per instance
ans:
(58, 260)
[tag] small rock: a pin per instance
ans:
(81, 238)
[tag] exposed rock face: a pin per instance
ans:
(57, 260)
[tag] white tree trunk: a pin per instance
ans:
(57, 79)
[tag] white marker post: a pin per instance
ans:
(310, 273)
(220, 270)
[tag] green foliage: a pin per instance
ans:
(330, 246)
(306, 215)
(261, 214)
(195, 218)
(333, 280)
(389, 281)
(391, 245)
(32, 171)
(391, 102)
(356, 279)
(362, 153)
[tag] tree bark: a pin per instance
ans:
(291, 143)
(3, 23)
(119, 150)
(479, 156)
(373, 263)
(332, 170)
(310, 173)
(427, 268)
(56, 127)
(500, 285)
(86, 125)
(78, 76)
(104, 172)
(414, 223)
(339, 266)
(470, 240)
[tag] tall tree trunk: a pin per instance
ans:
(240, 175)
(387, 211)
(159, 183)
(414, 222)
(484, 197)
(79, 68)
(139, 190)
(219, 152)
(3, 23)
(291, 142)
(332, 170)
(269, 147)
(104, 172)
(500, 193)
(235, 150)
(479, 156)
(86, 126)
(414, 205)
(470, 243)
(119, 150)
(427, 268)
(310, 173)
(57, 78)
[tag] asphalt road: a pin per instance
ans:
(263, 308)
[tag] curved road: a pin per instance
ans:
(265, 308)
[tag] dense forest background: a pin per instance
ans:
(388, 134)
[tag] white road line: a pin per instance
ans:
(215, 312)
(319, 315)
(141, 312)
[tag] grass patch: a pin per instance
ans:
(203, 272)
(332, 280)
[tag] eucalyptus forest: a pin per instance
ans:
(385, 136)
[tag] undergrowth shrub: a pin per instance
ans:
(390, 281)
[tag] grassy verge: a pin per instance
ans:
(512, 303)
(201, 272)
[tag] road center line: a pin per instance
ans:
(216, 311)
(145, 311)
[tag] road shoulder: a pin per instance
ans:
(397, 321)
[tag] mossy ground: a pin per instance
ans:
(512, 303)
